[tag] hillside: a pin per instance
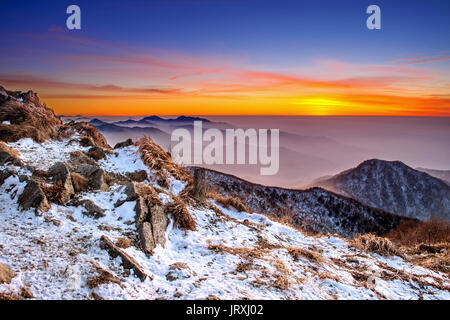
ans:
(394, 187)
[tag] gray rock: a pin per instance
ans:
(127, 261)
(146, 238)
(123, 144)
(159, 221)
(5, 174)
(141, 210)
(94, 174)
(33, 197)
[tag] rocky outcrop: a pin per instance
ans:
(33, 197)
(138, 176)
(127, 262)
(96, 153)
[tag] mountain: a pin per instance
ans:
(97, 122)
(444, 175)
(394, 187)
(315, 209)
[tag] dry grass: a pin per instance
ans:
(373, 244)
(149, 194)
(79, 182)
(227, 202)
(11, 151)
(28, 120)
(123, 243)
(180, 214)
(312, 256)
(54, 193)
(158, 160)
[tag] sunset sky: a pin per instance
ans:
(233, 57)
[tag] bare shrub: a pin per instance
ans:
(180, 214)
(411, 233)
(149, 194)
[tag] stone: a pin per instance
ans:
(138, 176)
(127, 261)
(96, 153)
(5, 174)
(159, 221)
(6, 274)
(146, 238)
(123, 144)
(33, 197)
(61, 174)
(94, 174)
(141, 210)
(86, 141)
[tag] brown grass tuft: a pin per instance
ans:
(28, 120)
(312, 256)
(180, 214)
(123, 243)
(11, 151)
(227, 202)
(149, 194)
(373, 244)
(158, 160)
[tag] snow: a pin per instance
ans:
(53, 253)
(6, 122)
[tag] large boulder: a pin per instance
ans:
(33, 197)
(141, 210)
(94, 174)
(138, 176)
(6, 274)
(61, 175)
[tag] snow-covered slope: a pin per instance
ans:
(394, 187)
(231, 255)
(315, 209)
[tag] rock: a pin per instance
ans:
(159, 221)
(138, 176)
(96, 153)
(141, 210)
(33, 197)
(146, 238)
(123, 144)
(178, 270)
(86, 141)
(127, 261)
(92, 209)
(61, 174)
(6, 274)
(80, 183)
(131, 192)
(79, 157)
(9, 155)
(5, 174)
(94, 174)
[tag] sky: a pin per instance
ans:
(233, 57)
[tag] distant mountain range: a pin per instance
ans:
(394, 187)
(444, 175)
